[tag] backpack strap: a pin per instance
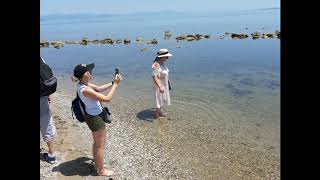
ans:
(81, 102)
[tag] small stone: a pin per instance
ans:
(118, 41)
(139, 38)
(153, 41)
(126, 41)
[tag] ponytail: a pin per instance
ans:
(74, 79)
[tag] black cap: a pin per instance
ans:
(80, 69)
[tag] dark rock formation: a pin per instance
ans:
(239, 36)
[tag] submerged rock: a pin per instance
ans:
(107, 41)
(44, 44)
(139, 38)
(84, 41)
(126, 41)
(206, 36)
(153, 41)
(118, 41)
(255, 35)
(96, 41)
(239, 36)
(277, 33)
(190, 38)
(71, 42)
(268, 35)
(57, 44)
(181, 37)
(198, 37)
(167, 33)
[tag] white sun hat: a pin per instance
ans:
(163, 53)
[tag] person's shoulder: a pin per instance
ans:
(87, 90)
(82, 87)
(155, 65)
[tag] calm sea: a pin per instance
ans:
(233, 83)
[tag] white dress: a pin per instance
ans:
(161, 99)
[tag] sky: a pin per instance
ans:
(133, 6)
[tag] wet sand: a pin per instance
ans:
(183, 146)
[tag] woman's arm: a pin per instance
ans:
(91, 93)
(157, 81)
(156, 76)
(100, 88)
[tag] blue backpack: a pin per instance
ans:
(78, 109)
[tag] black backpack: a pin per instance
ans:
(78, 109)
(48, 83)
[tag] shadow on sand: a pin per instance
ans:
(146, 115)
(80, 166)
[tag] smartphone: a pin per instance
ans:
(116, 71)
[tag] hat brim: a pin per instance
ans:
(90, 66)
(165, 55)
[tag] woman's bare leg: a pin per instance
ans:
(99, 138)
(157, 113)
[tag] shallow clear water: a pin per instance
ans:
(233, 83)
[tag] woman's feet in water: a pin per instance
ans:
(159, 114)
(105, 172)
(162, 114)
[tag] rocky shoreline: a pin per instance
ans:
(167, 35)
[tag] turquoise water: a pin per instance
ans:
(237, 80)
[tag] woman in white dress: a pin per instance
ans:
(161, 83)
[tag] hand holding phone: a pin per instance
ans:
(117, 71)
(117, 76)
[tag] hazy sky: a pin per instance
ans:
(129, 6)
